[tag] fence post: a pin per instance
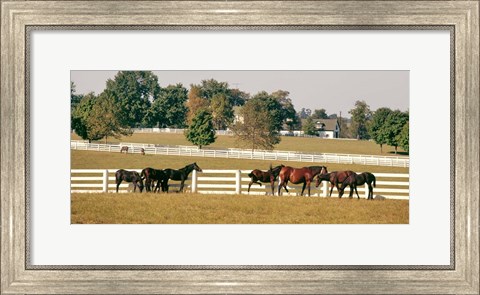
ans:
(105, 181)
(194, 181)
(238, 182)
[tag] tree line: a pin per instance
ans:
(384, 126)
(135, 99)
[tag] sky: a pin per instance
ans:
(334, 91)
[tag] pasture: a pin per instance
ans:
(104, 160)
(149, 208)
(288, 143)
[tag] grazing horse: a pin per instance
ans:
(151, 175)
(359, 179)
(303, 175)
(258, 176)
(335, 178)
(181, 174)
(124, 148)
(129, 176)
(142, 151)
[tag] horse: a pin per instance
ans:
(258, 176)
(334, 178)
(150, 175)
(299, 175)
(359, 179)
(142, 151)
(129, 176)
(124, 148)
(181, 174)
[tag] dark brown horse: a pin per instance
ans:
(335, 178)
(129, 176)
(359, 179)
(142, 151)
(181, 174)
(258, 176)
(124, 148)
(151, 175)
(303, 175)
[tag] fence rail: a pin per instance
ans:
(389, 185)
(245, 154)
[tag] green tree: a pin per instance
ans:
(74, 98)
(377, 127)
(222, 111)
(288, 113)
(80, 117)
(256, 126)
(320, 114)
(305, 113)
(360, 118)
(345, 131)
(104, 120)
(169, 109)
(309, 127)
(201, 132)
(403, 137)
(133, 92)
(210, 88)
(394, 124)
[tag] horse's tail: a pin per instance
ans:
(373, 180)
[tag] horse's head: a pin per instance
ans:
(196, 167)
(321, 176)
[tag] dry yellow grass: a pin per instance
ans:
(302, 144)
(149, 208)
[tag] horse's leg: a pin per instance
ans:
(303, 188)
(135, 186)
(351, 192)
(249, 185)
(332, 185)
(308, 185)
(370, 191)
(118, 184)
(355, 187)
(280, 180)
(181, 185)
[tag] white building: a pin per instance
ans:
(327, 128)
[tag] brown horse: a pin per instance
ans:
(142, 151)
(129, 176)
(359, 179)
(124, 148)
(335, 178)
(303, 175)
(151, 175)
(258, 176)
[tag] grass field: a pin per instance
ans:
(232, 209)
(302, 144)
(104, 160)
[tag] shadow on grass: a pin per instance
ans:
(399, 153)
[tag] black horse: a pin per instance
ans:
(359, 179)
(181, 174)
(258, 176)
(151, 175)
(129, 176)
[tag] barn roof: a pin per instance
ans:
(330, 124)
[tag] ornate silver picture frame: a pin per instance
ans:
(19, 18)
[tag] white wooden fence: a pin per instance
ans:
(245, 154)
(389, 185)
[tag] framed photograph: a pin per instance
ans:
(206, 146)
